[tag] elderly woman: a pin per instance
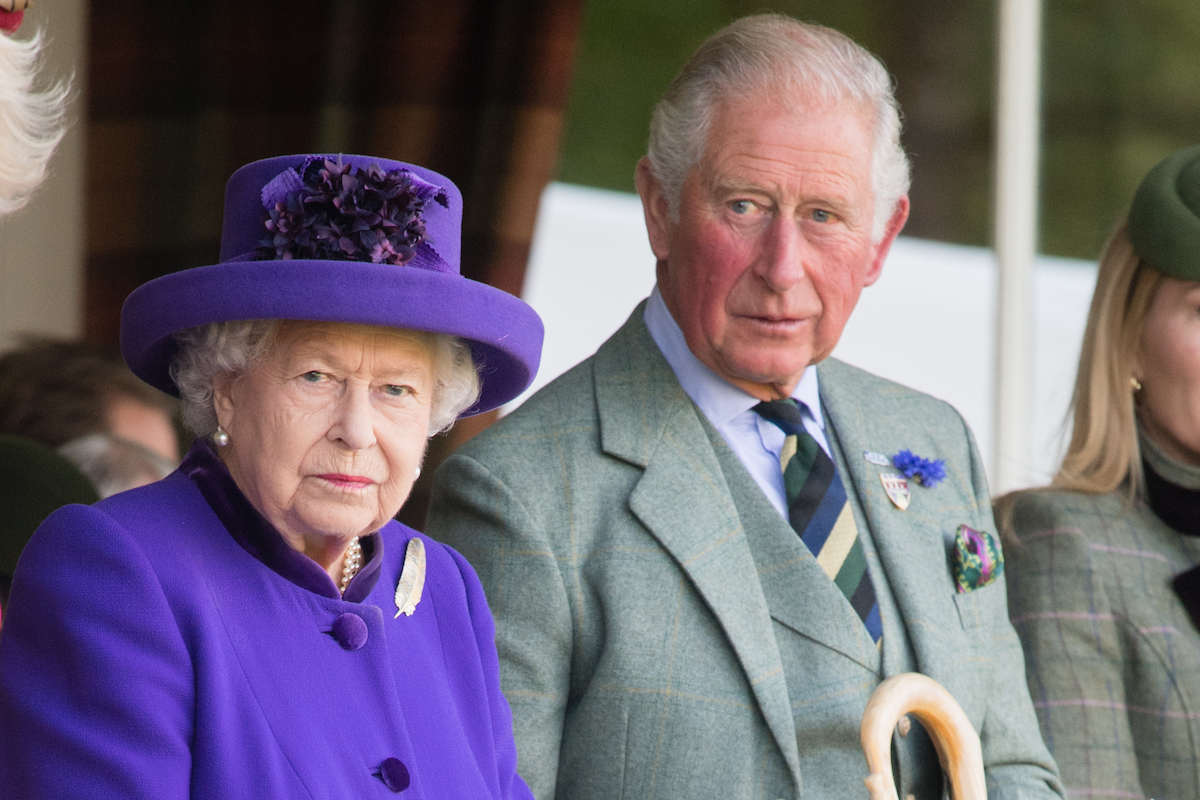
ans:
(256, 625)
(1103, 584)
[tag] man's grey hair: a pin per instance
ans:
(208, 351)
(801, 61)
(31, 122)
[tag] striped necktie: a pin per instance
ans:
(819, 512)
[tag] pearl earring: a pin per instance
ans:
(220, 438)
(418, 473)
(1136, 384)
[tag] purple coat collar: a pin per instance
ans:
(259, 538)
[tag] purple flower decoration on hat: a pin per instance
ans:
(924, 471)
(333, 211)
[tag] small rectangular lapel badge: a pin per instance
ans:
(897, 489)
(878, 459)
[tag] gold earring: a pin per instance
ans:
(1137, 386)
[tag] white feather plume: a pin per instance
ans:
(412, 578)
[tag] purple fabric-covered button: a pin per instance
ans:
(394, 774)
(350, 631)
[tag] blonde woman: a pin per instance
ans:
(1102, 564)
(31, 122)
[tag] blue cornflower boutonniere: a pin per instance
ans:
(927, 472)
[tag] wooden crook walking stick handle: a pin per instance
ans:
(955, 739)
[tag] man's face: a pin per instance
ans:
(773, 242)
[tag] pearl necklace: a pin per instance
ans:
(351, 565)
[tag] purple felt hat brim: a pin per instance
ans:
(505, 334)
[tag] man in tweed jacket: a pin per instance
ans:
(663, 631)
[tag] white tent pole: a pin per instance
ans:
(1018, 123)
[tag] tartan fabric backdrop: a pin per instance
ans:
(183, 93)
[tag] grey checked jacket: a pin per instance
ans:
(1113, 660)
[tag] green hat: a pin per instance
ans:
(1164, 220)
(34, 481)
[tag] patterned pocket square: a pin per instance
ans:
(977, 559)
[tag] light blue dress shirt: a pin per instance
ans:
(756, 441)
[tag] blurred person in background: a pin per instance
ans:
(55, 395)
(77, 425)
(34, 482)
(31, 122)
(115, 465)
(1104, 587)
(57, 391)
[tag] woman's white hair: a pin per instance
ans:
(234, 347)
(801, 61)
(31, 123)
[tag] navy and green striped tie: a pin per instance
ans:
(819, 512)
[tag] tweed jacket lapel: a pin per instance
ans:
(683, 500)
(911, 545)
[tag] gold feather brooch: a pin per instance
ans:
(412, 578)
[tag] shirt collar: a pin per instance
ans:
(259, 538)
(719, 400)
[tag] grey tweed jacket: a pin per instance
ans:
(647, 650)
(1113, 659)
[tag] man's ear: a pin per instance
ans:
(894, 226)
(655, 208)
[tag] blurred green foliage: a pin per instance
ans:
(1121, 89)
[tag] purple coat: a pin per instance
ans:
(146, 654)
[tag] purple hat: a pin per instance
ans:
(339, 239)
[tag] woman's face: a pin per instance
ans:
(327, 430)
(1168, 367)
